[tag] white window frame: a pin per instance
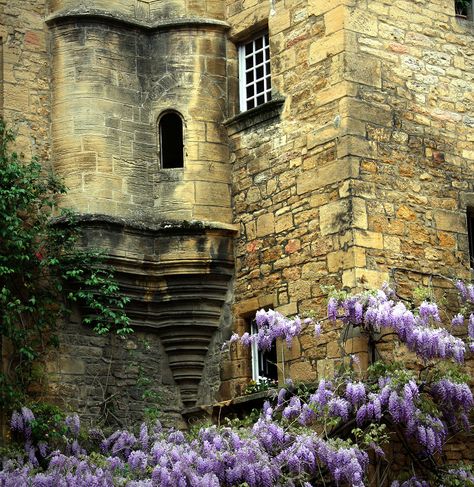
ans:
(256, 357)
(245, 73)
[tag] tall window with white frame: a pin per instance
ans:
(470, 235)
(264, 363)
(255, 81)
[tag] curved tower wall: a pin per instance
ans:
(116, 69)
(111, 82)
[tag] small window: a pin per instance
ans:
(254, 72)
(171, 141)
(470, 235)
(264, 364)
(464, 8)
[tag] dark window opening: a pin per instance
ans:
(264, 363)
(470, 235)
(463, 8)
(171, 141)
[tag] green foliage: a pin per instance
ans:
(462, 6)
(263, 384)
(42, 271)
(48, 424)
(395, 370)
(452, 478)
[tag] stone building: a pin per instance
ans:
(238, 154)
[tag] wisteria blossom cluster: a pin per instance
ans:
(301, 440)
(401, 403)
(271, 453)
(420, 330)
(467, 299)
(272, 325)
(265, 455)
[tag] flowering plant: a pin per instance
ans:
(325, 436)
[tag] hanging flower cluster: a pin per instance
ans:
(272, 325)
(299, 440)
(266, 455)
(418, 329)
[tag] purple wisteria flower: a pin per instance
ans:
(461, 287)
(74, 424)
(333, 306)
(458, 320)
(355, 393)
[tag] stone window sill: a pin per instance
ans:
(255, 116)
(236, 407)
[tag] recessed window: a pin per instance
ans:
(463, 8)
(470, 234)
(171, 141)
(264, 363)
(254, 73)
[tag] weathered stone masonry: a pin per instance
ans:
(365, 176)
(360, 169)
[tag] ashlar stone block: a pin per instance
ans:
(335, 217)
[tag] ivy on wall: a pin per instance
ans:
(43, 271)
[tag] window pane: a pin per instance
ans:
(255, 84)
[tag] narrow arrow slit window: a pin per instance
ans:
(171, 141)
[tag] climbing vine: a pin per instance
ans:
(42, 271)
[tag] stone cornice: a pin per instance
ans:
(172, 227)
(68, 14)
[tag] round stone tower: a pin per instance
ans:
(139, 95)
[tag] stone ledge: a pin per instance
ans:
(238, 406)
(255, 116)
(68, 14)
(165, 226)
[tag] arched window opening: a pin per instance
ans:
(171, 141)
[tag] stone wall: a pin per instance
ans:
(89, 80)
(291, 181)
(109, 380)
(111, 84)
(366, 175)
(25, 80)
